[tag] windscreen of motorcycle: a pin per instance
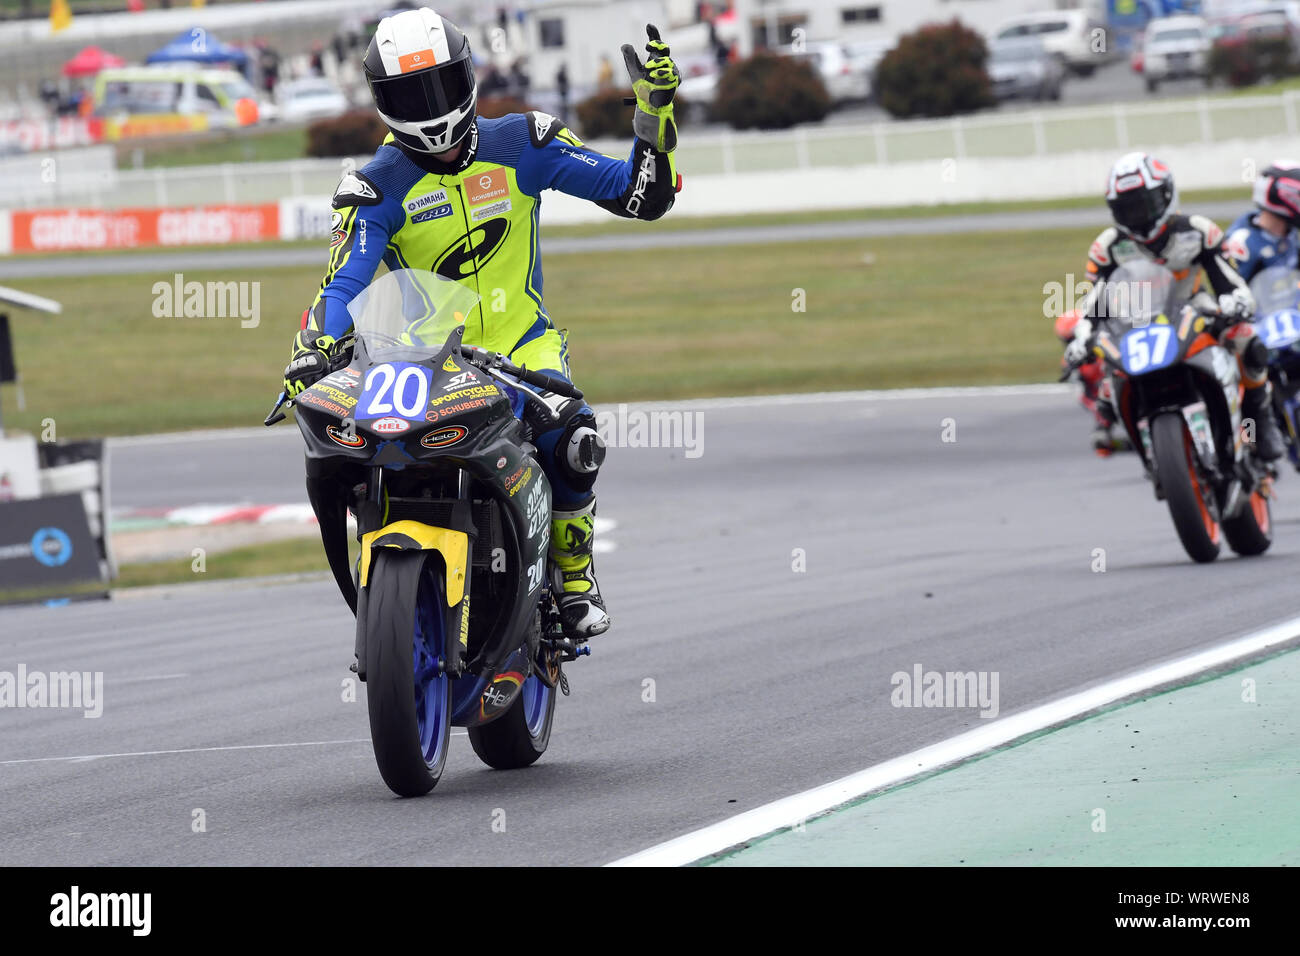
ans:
(1138, 291)
(1275, 288)
(410, 308)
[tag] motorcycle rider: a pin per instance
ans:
(1268, 236)
(1143, 203)
(459, 195)
(1095, 391)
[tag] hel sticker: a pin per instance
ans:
(450, 365)
(343, 437)
(487, 212)
(419, 60)
(444, 436)
(389, 426)
(486, 187)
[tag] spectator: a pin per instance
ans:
(562, 85)
(269, 61)
(519, 80)
(605, 74)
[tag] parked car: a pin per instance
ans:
(1175, 48)
(846, 74)
(1024, 68)
(1067, 34)
(308, 99)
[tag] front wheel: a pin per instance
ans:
(1190, 502)
(520, 735)
(408, 694)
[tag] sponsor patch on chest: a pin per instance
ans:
(486, 187)
(436, 198)
(487, 212)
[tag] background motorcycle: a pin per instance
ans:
(1178, 393)
(1277, 323)
(416, 435)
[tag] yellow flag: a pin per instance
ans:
(60, 15)
(197, 3)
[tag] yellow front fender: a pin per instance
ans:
(414, 536)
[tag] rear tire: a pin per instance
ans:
(410, 722)
(520, 735)
(1175, 461)
(1251, 532)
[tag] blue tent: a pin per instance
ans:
(197, 45)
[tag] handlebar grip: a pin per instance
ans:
(557, 385)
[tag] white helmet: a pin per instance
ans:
(1141, 195)
(422, 78)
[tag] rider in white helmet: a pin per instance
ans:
(460, 195)
(1143, 202)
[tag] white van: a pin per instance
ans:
(1070, 35)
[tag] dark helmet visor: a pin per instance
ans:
(1139, 209)
(420, 97)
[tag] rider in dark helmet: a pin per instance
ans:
(1143, 202)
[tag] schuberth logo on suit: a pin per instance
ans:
(486, 186)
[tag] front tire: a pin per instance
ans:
(520, 735)
(1185, 492)
(407, 694)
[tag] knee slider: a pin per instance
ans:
(580, 450)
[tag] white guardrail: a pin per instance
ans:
(995, 136)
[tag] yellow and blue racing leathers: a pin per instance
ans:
(477, 221)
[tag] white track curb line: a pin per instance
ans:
(800, 807)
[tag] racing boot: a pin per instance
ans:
(1257, 405)
(573, 573)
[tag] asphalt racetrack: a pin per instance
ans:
(763, 594)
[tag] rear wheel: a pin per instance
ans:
(520, 735)
(1251, 532)
(407, 693)
(1191, 504)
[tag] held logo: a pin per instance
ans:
(344, 437)
(644, 177)
(210, 300)
(444, 436)
(124, 910)
(580, 157)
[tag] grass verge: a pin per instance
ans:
(877, 313)
(292, 556)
